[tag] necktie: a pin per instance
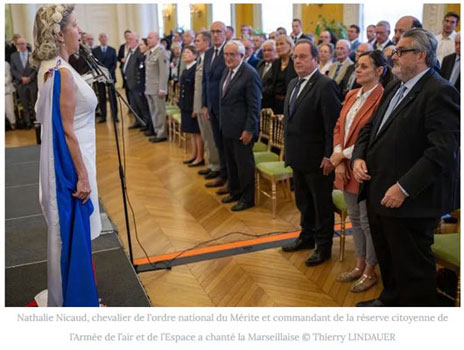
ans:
(339, 65)
(456, 71)
(24, 59)
(226, 85)
(104, 49)
(393, 103)
(351, 81)
(267, 66)
(296, 90)
(214, 55)
(199, 60)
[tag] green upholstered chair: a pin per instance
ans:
(340, 208)
(275, 172)
(271, 167)
(264, 130)
(446, 249)
(174, 117)
(273, 135)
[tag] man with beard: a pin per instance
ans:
(406, 161)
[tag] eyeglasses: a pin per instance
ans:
(399, 51)
(230, 54)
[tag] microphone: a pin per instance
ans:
(98, 70)
(84, 51)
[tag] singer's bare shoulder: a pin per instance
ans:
(68, 86)
(65, 74)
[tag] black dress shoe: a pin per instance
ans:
(318, 257)
(188, 161)
(144, 128)
(134, 126)
(102, 121)
(216, 183)
(157, 139)
(299, 244)
(230, 199)
(149, 133)
(371, 303)
(212, 175)
(241, 206)
(192, 165)
(223, 190)
(205, 171)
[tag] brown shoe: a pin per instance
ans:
(350, 276)
(364, 283)
(222, 190)
(216, 183)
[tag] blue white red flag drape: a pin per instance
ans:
(71, 279)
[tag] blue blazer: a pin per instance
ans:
(211, 78)
(108, 59)
(253, 61)
(240, 105)
(187, 89)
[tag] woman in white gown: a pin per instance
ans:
(68, 186)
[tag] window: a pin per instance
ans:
(276, 15)
(221, 12)
(375, 11)
(183, 15)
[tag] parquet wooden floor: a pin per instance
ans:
(175, 211)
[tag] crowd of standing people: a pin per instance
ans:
(378, 120)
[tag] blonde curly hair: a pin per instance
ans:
(49, 21)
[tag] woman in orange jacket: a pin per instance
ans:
(358, 107)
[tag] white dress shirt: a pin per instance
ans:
(303, 84)
(361, 98)
(325, 69)
(234, 71)
(445, 46)
(190, 65)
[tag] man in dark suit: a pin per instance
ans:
(122, 53)
(382, 32)
(24, 79)
(250, 57)
(312, 106)
(213, 68)
(451, 66)
(107, 56)
(297, 30)
(353, 37)
(406, 161)
(258, 40)
(134, 74)
(239, 108)
(265, 72)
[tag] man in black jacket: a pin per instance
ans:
(122, 53)
(25, 80)
(134, 75)
(406, 161)
(239, 107)
(107, 56)
(312, 106)
(451, 66)
(214, 65)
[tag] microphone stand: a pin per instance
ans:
(106, 78)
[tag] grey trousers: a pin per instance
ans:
(363, 246)
(208, 140)
(158, 114)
